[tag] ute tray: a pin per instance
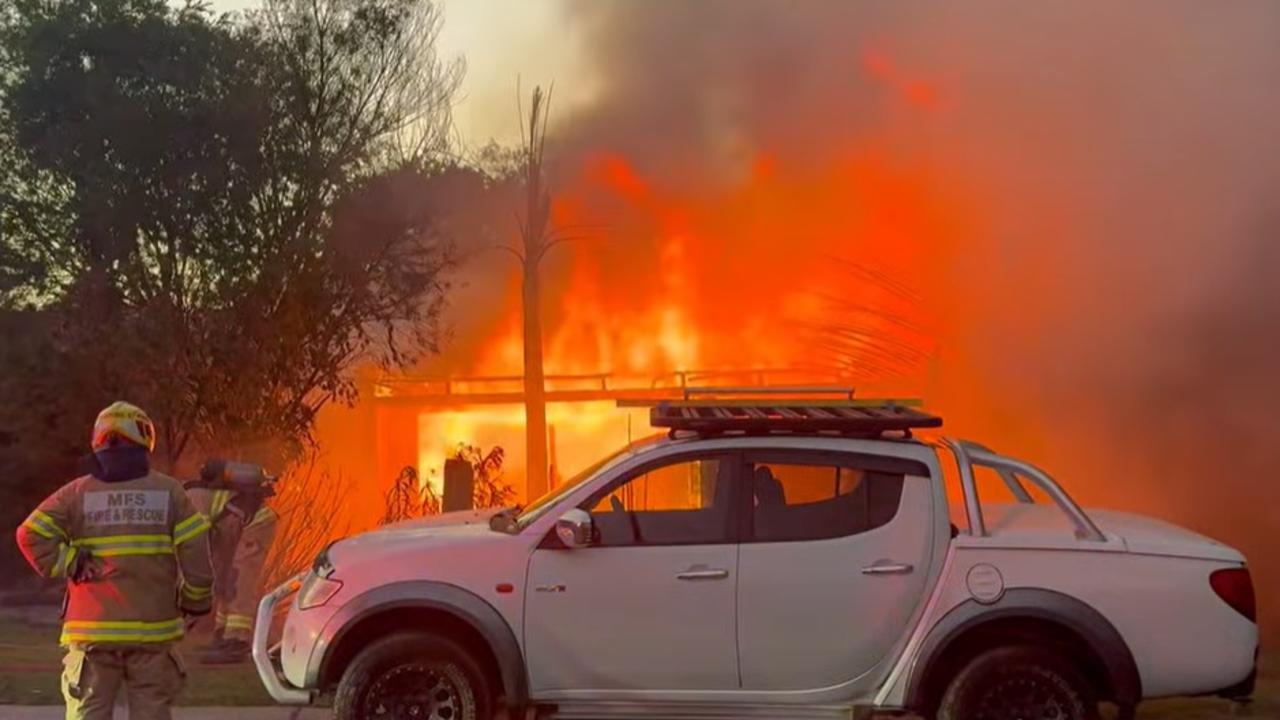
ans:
(868, 418)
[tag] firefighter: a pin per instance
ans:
(135, 555)
(244, 530)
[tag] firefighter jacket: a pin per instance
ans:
(213, 502)
(225, 540)
(135, 554)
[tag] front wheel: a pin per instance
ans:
(413, 676)
(1019, 683)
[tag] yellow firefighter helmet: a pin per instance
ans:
(123, 422)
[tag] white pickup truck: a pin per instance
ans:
(770, 559)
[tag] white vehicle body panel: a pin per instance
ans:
(794, 624)
(848, 690)
(1174, 657)
(1146, 588)
(469, 556)
(618, 618)
(809, 617)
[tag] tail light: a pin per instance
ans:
(1235, 587)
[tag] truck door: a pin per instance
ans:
(650, 604)
(832, 566)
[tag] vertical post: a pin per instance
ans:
(535, 388)
(459, 486)
(534, 233)
(553, 464)
(396, 443)
(535, 399)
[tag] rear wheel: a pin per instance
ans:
(1019, 683)
(413, 676)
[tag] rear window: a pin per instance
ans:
(798, 500)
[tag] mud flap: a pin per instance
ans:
(1242, 692)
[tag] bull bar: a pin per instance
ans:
(272, 675)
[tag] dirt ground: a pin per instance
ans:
(30, 662)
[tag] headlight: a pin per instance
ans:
(316, 591)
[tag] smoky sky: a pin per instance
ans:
(1122, 300)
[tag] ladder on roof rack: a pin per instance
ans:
(782, 391)
(786, 414)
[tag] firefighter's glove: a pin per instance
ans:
(191, 619)
(84, 567)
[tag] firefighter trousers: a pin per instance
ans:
(151, 677)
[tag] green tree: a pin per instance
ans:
(216, 217)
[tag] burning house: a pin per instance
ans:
(1039, 222)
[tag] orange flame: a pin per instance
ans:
(828, 271)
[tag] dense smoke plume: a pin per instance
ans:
(1061, 216)
(1099, 274)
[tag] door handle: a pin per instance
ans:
(888, 569)
(708, 574)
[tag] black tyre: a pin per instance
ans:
(413, 676)
(1019, 683)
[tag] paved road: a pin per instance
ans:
(55, 712)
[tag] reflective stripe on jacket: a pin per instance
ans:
(213, 502)
(143, 552)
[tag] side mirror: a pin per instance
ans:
(574, 528)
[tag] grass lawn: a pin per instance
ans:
(30, 662)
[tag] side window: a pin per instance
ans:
(680, 503)
(799, 500)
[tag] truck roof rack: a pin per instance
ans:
(780, 410)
